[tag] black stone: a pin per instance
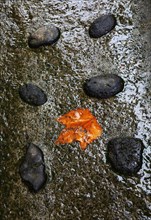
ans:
(125, 154)
(32, 94)
(103, 86)
(46, 35)
(102, 25)
(32, 169)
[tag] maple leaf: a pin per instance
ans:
(80, 125)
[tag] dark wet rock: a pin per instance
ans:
(46, 35)
(102, 25)
(32, 169)
(32, 94)
(125, 154)
(103, 86)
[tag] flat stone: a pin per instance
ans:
(32, 94)
(102, 25)
(125, 154)
(46, 35)
(32, 169)
(103, 86)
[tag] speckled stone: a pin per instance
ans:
(102, 25)
(103, 86)
(32, 169)
(125, 154)
(46, 35)
(32, 94)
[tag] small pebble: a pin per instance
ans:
(46, 35)
(32, 94)
(102, 25)
(32, 169)
(125, 154)
(103, 86)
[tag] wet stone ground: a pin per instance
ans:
(80, 184)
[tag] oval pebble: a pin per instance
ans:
(102, 25)
(32, 168)
(32, 94)
(103, 86)
(46, 35)
(125, 154)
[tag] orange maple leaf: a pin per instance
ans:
(80, 125)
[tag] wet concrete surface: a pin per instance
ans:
(80, 185)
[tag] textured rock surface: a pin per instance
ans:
(32, 169)
(46, 35)
(32, 94)
(125, 154)
(103, 86)
(83, 186)
(102, 25)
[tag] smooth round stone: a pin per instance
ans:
(102, 25)
(32, 94)
(32, 169)
(125, 154)
(46, 35)
(103, 86)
